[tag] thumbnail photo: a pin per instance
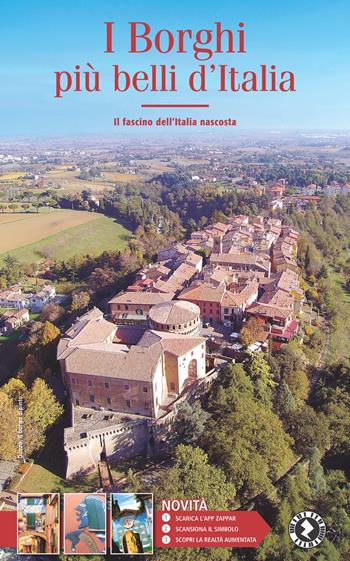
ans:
(132, 523)
(84, 523)
(38, 523)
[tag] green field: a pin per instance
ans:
(40, 480)
(69, 179)
(93, 237)
(340, 337)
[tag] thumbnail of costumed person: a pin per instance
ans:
(131, 540)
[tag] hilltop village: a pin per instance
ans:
(176, 319)
(169, 333)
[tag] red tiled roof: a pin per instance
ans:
(289, 331)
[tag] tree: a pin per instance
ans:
(277, 545)
(51, 203)
(13, 206)
(47, 252)
(132, 480)
(298, 383)
(334, 508)
(296, 489)
(259, 371)
(42, 406)
(30, 269)
(8, 428)
(284, 399)
(50, 333)
(337, 412)
(316, 473)
(31, 369)
(52, 313)
(310, 258)
(328, 552)
(15, 389)
(332, 398)
(243, 436)
(308, 428)
(11, 269)
(33, 436)
(39, 411)
(253, 330)
(192, 476)
(288, 359)
(232, 380)
(80, 301)
(102, 277)
(25, 206)
(189, 423)
(42, 343)
(293, 496)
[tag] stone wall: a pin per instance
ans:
(117, 442)
(128, 439)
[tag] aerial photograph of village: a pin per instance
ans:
(175, 319)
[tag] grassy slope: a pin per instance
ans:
(340, 338)
(90, 238)
(21, 229)
(41, 480)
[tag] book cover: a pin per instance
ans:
(174, 281)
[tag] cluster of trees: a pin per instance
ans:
(108, 270)
(90, 173)
(331, 398)
(37, 353)
(327, 494)
(256, 440)
(10, 272)
(199, 204)
(169, 202)
(28, 207)
(111, 271)
(323, 254)
(326, 233)
(244, 436)
(106, 273)
(299, 176)
(133, 205)
(27, 402)
(33, 409)
(27, 201)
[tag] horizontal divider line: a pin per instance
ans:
(174, 105)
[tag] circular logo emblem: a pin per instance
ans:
(307, 529)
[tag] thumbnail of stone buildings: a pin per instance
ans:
(38, 523)
(123, 381)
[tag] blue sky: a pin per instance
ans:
(37, 38)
